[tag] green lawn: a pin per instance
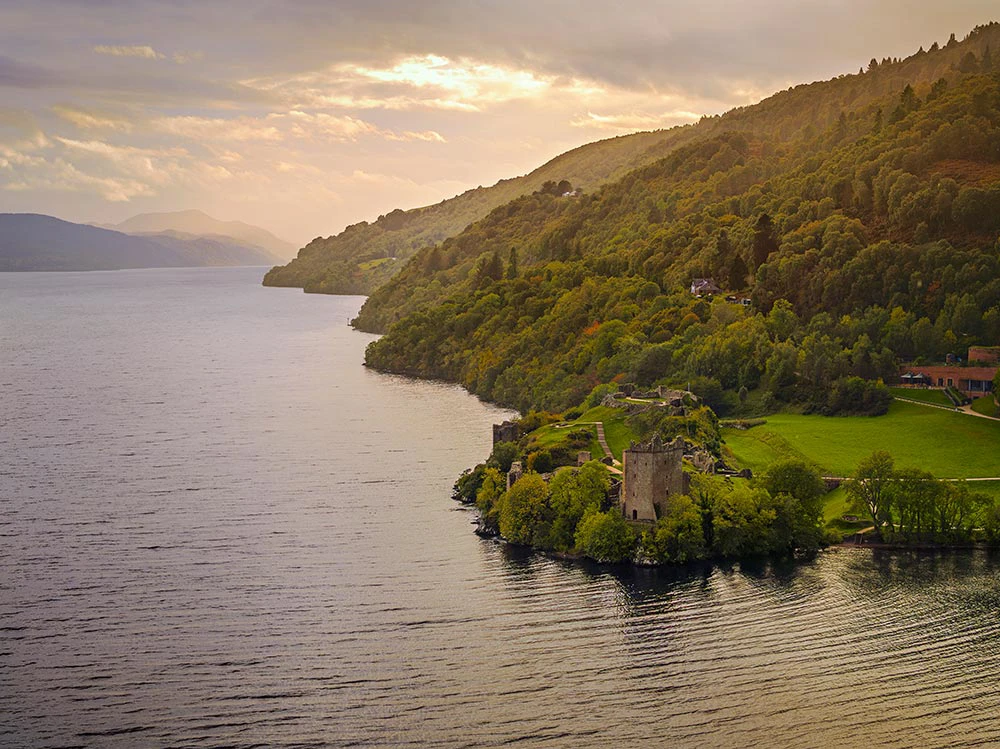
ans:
(617, 434)
(936, 397)
(946, 443)
(985, 405)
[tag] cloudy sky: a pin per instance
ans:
(305, 116)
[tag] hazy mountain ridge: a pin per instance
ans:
(35, 242)
(191, 224)
(366, 255)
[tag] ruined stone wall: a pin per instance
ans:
(506, 432)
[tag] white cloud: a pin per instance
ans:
(183, 58)
(322, 125)
(218, 128)
(284, 127)
(91, 120)
(134, 50)
(23, 172)
(430, 136)
(466, 80)
(415, 82)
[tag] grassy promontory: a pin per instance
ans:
(784, 508)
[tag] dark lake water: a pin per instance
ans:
(218, 529)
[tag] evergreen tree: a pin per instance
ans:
(512, 263)
(969, 63)
(434, 262)
(764, 241)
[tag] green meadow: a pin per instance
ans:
(986, 406)
(946, 443)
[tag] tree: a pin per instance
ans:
(605, 536)
(969, 63)
(737, 273)
(503, 455)
(917, 497)
(960, 510)
(524, 509)
(678, 536)
(435, 262)
(871, 490)
(574, 492)
(798, 479)
(742, 521)
(488, 498)
(489, 269)
(764, 241)
(512, 263)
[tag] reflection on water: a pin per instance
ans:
(218, 529)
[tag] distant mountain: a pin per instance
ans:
(33, 242)
(194, 223)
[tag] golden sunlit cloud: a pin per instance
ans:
(436, 82)
(280, 127)
(240, 129)
(634, 121)
(91, 120)
(420, 82)
(465, 79)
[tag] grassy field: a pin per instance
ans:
(935, 397)
(948, 444)
(985, 405)
(616, 433)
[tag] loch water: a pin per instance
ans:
(217, 528)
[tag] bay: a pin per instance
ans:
(217, 528)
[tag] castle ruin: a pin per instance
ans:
(651, 473)
(508, 431)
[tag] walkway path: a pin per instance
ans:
(962, 410)
(602, 441)
(968, 410)
(925, 403)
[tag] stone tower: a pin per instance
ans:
(652, 472)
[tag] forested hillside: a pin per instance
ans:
(860, 215)
(365, 255)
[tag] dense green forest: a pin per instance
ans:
(860, 216)
(365, 255)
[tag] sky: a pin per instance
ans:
(304, 116)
